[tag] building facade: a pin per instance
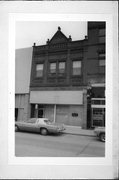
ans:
(57, 89)
(63, 80)
(63, 73)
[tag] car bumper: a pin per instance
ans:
(57, 130)
(96, 133)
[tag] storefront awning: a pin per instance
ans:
(56, 97)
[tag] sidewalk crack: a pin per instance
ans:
(77, 154)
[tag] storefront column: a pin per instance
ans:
(54, 112)
(84, 125)
(36, 110)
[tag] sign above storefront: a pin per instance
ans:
(56, 97)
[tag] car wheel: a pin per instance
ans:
(102, 137)
(44, 131)
(16, 128)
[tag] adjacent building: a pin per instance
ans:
(66, 79)
(95, 70)
(23, 59)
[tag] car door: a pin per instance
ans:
(30, 125)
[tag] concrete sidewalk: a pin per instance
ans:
(78, 131)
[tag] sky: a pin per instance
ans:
(29, 32)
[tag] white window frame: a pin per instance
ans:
(75, 66)
(39, 68)
(60, 69)
(52, 68)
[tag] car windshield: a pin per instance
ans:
(47, 121)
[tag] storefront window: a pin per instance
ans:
(98, 117)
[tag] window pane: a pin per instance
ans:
(102, 62)
(76, 64)
(61, 67)
(76, 67)
(101, 32)
(39, 70)
(52, 67)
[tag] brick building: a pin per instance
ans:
(66, 75)
(95, 70)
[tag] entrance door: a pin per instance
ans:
(40, 113)
(16, 114)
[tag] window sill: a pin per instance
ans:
(76, 76)
(61, 75)
(52, 76)
(41, 78)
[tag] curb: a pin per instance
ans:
(79, 134)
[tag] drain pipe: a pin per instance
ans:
(54, 112)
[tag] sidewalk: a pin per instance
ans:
(74, 130)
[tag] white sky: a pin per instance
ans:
(28, 32)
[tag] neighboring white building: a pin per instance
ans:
(23, 59)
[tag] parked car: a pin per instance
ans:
(41, 125)
(100, 133)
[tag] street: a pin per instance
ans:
(63, 145)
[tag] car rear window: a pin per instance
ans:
(47, 121)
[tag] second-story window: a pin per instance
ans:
(76, 67)
(61, 67)
(101, 59)
(102, 32)
(39, 70)
(102, 35)
(53, 67)
(102, 62)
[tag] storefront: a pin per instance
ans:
(66, 107)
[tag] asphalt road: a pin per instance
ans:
(63, 145)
